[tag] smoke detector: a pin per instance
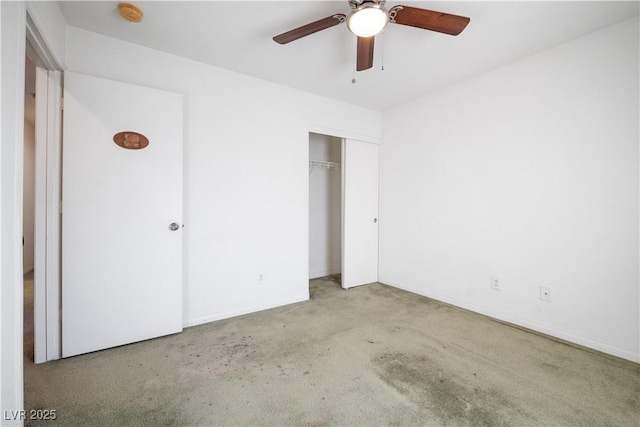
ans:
(130, 12)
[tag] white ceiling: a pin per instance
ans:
(236, 35)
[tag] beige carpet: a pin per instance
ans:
(28, 317)
(372, 355)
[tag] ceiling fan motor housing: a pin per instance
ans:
(354, 4)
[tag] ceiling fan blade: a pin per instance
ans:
(364, 58)
(428, 19)
(311, 28)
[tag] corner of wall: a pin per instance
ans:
(51, 26)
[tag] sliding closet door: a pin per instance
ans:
(360, 213)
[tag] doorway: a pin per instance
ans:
(41, 179)
(28, 206)
(325, 206)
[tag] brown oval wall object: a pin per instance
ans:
(131, 140)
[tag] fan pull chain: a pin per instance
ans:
(354, 54)
(382, 49)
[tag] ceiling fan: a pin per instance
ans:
(370, 17)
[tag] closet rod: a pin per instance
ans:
(323, 164)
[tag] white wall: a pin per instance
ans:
(325, 212)
(246, 172)
(28, 196)
(530, 173)
(12, 54)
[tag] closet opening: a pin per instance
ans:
(325, 208)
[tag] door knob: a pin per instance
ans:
(173, 226)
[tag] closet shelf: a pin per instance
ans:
(323, 164)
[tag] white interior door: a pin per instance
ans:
(359, 213)
(121, 262)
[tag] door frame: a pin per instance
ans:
(47, 227)
(14, 16)
(342, 134)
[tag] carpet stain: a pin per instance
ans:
(452, 399)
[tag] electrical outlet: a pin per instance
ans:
(545, 294)
(495, 283)
(260, 279)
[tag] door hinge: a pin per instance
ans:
(60, 207)
(61, 103)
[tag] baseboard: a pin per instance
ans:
(241, 311)
(532, 326)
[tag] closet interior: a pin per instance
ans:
(325, 205)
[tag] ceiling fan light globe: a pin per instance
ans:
(367, 20)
